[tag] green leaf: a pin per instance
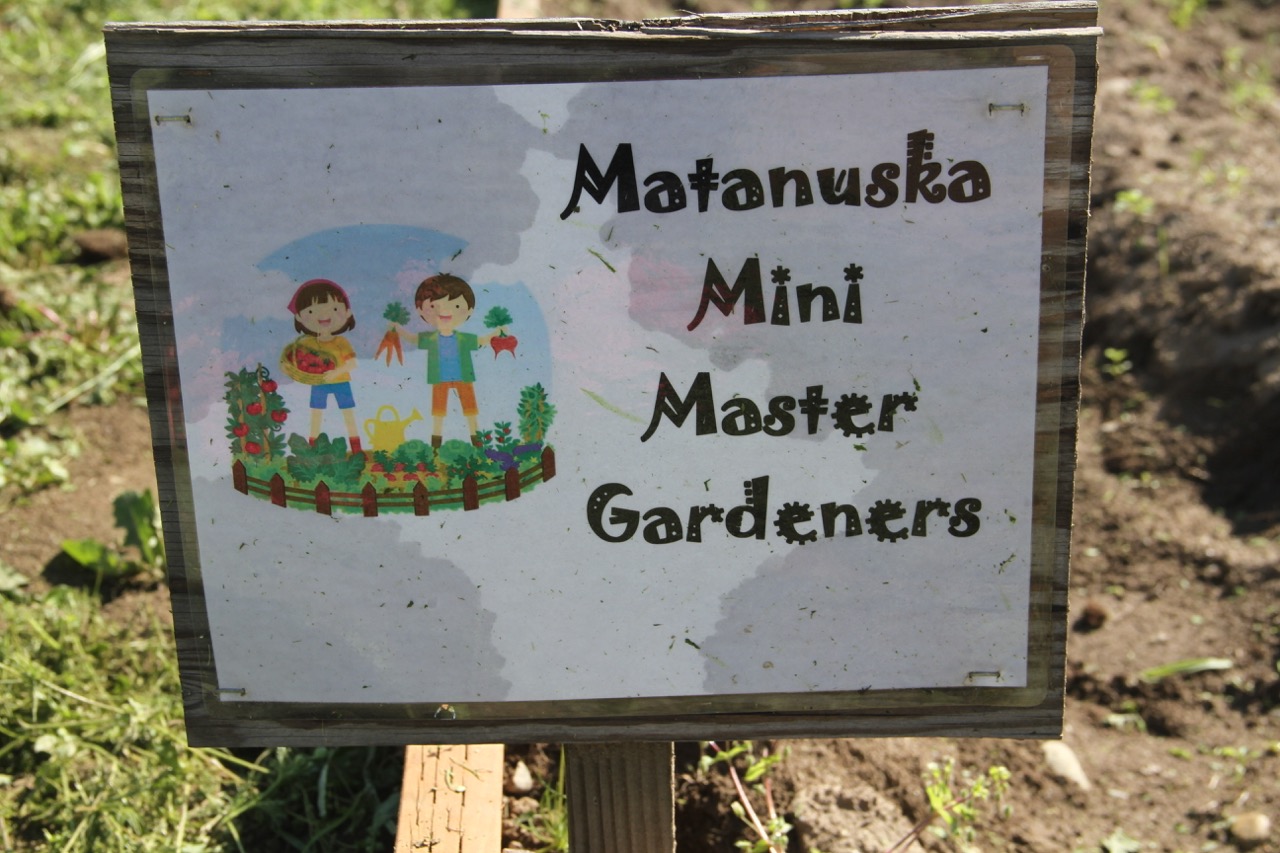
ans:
(497, 316)
(11, 580)
(760, 768)
(396, 313)
(57, 745)
(89, 553)
(1120, 842)
(135, 513)
(1185, 667)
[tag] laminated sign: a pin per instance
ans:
(578, 380)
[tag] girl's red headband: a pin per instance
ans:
(293, 301)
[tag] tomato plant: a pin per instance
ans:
(255, 415)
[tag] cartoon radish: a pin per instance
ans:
(498, 318)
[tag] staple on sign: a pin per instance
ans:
(976, 674)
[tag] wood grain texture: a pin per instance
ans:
(451, 799)
(213, 55)
(621, 797)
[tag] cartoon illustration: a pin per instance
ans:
(393, 466)
(445, 302)
(499, 318)
(256, 415)
(397, 315)
(321, 357)
(386, 431)
(397, 475)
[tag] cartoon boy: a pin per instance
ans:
(445, 302)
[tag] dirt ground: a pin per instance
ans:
(1176, 550)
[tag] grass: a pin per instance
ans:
(93, 755)
(66, 333)
(548, 825)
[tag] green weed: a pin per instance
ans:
(768, 828)
(1135, 202)
(1189, 666)
(138, 517)
(548, 825)
(38, 216)
(1150, 94)
(1232, 177)
(1183, 13)
(1119, 841)
(1126, 718)
(954, 810)
(1117, 361)
(66, 335)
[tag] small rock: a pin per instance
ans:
(1251, 828)
(521, 778)
(101, 244)
(522, 805)
(1063, 763)
(1093, 615)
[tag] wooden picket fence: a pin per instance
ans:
(420, 498)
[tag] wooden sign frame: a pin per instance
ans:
(146, 58)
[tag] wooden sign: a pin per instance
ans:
(577, 380)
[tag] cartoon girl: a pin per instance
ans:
(322, 358)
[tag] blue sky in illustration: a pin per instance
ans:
(377, 265)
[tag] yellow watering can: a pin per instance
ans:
(386, 431)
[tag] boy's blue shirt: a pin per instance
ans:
(467, 344)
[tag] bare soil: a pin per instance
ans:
(1176, 549)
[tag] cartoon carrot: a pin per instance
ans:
(396, 314)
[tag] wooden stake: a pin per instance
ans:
(621, 797)
(451, 800)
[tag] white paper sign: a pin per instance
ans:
(775, 338)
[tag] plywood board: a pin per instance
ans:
(770, 344)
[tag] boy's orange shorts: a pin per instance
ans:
(466, 396)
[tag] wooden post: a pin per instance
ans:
(277, 490)
(451, 799)
(470, 493)
(621, 797)
(519, 8)
(323, 504)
